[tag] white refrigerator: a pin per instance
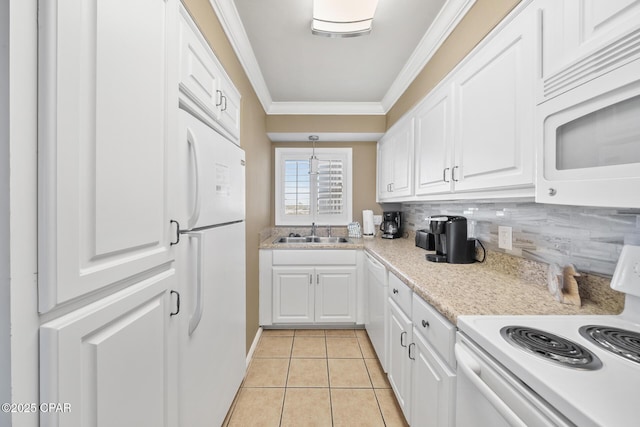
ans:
(211, 268)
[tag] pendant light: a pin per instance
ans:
(313, 160)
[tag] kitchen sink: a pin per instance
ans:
(311, 239)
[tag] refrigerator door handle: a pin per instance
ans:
(194, 319)
(195, 215)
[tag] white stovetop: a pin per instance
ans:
(604, 397)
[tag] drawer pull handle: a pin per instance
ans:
(425, 324)
(414, 345)
(395, 291)
(402, 335)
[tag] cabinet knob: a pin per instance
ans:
(425, 324)
(552, 191)
(395, 291)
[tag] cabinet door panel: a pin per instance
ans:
(105, 125)
(111, 354)
(494, 145)
(433, 144)
(293, 291)
(385, 168)
(432, 390)
(402, 151)
(335, 295)
(398, 366)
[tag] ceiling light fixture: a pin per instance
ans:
(313, 160)
(343, 18)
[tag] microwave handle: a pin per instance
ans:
(472, 371)
(195, 215)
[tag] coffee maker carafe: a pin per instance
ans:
(391, 225)
(451, 243)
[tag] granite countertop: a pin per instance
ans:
(503, 285)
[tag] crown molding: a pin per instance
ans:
(325, 136)
(327, 108)
(450, 15)
(233, 28)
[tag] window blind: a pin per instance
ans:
(330, 185)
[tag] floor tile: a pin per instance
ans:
(277, 332)
(377, 375)
(308, 373)
(361, 333)
(270, 347)
(310, 332)
(343, 348)
(368, 352)
(307, 407)
(391, 412)
(340, 333)
(355, 408)
(309, 347)
(258, 407)
(348, 373)
(267, 373)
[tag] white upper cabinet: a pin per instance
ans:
(494, 111)
(395, 162)
(106, 119)
(474, 132)
(434, 140)
(205, 88)
(583, 39)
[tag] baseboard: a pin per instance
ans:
(254, 344)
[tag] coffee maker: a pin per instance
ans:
(451, 243)
(391, 225)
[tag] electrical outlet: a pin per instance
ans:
(505, 238)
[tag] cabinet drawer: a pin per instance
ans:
(435, 328)
(400, 293)
(314, 257)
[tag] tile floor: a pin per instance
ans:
(315, 378)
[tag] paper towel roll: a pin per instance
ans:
(368, 229)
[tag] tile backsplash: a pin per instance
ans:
(589, 238)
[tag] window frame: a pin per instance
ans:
(287, 153)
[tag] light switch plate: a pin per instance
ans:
(377, 219)
(505, 238)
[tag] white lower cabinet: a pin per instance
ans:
(421, 364)
(308, 286)
(113, 361)
(314, 294)
(399, 365)
(433, 386)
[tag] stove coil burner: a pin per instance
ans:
(551, 347)
(615, 340)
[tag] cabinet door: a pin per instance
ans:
(335, 295)
(200, 78)
(432, 388)
(106, 117)
(582, 40)
(495, 111)
(385, 167)
(434, 142)
(398, 366)
(230, 108)
(402, 154)
(293, 294)
(111, 361)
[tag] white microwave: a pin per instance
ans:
(588, 150)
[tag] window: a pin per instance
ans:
(323, 198)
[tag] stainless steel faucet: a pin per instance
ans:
(313, 228)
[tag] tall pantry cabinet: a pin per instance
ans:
(107, 101)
